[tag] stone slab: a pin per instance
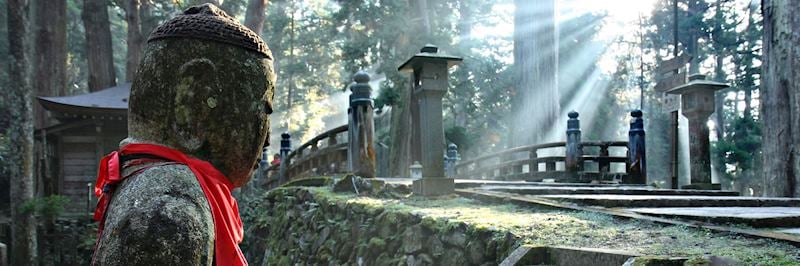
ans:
(471, 183)
(636, 201)
(752, 216)
(574, 256)
(617, 190)
(794, 231)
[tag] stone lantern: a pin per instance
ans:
(697, 104)
(415, 170)
(429, 76)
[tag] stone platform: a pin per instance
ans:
(635, 201)
(614, 190)
(752, 216)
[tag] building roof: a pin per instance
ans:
(110, 101)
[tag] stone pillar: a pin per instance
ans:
(697, 104)
(286, 148)
(636, 162)
(429, 71)
(699, 152)
(361, 128)
(572, 161)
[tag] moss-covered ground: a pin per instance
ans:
(581, 229)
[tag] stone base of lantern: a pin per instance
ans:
(433, 186)
(703, 186)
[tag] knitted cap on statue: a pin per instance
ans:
(198, 118)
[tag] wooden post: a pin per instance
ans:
(361, 128)
(603, 163)
(286, 147)
(572, 161)
(534, 165)
(636, 162)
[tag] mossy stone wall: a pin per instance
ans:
(311, 225)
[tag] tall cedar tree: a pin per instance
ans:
(255, 15)
(535, 65)
(135, 38)
(20, 131)
(780, 106)
(100, 55)
(50, 53)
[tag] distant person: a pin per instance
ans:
(276, 160)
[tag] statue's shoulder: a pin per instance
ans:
(158, 216)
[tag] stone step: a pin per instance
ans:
(616, 190)
(471, 183)
(636, 201)
(753, 216)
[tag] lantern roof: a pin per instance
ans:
(696, 83)
(429, 53)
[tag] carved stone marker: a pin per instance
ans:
(697, 103)
(361, 128)
(204, 88)
(429, 70)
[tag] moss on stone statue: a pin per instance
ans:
(462, 231)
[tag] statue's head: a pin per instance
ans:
(204, 86)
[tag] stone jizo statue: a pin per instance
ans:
(198, 117)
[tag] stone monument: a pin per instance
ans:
(697, 103)
(204, 88)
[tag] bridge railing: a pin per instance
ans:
(322, 155)
(566, 161)
(344, 149)
(538, 162)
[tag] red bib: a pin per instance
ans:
(216, 187)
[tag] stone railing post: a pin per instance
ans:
(572, 160)
(637, 162)
(361, 128)
(286, 147)
(451, 160)
(3, 255)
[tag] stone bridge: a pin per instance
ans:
(574, 202)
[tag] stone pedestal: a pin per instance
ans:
(433, 186)
(697, 104)
(429, 79)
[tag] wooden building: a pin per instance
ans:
(85, 128)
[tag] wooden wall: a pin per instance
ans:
(79, 152)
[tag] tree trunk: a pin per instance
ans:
(780, 96)
(535, 71)
(402, 133)
(20, 131)
(135, 40)
(693, 47)
(719, 74)
(255, 14)
(98, 41)
(50, 53)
